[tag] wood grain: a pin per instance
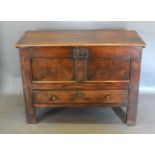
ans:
(45, 69)
(27, 87)
(133, 91)
(67, 98)
(100, 69)
(81, 68)
(84, 85)
(80, 38)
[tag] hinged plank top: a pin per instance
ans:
(80, 38)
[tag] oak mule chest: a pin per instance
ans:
(87, 68)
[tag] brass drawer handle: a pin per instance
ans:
(53, 98)
(79, 93)
(107, 98)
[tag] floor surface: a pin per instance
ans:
(75, 120)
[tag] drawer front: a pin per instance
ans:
(81, 97)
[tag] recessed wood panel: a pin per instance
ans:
(52, 69)
(108, 69)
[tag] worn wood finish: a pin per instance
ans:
(84, 85)
(133, 91)
(108, 69)
(80, 38)
(46, 69)
(27, 87)
(117, 52)
(80, 69)
(113, 67)
(80, 98)
(80, 72)
(80, 105)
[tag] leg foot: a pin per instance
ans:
(130, 123)
(131, 114)
(31, 116)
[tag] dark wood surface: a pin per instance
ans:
(133, 90)
(47, 69)
(27, 86)
(51, 69)
(80, 38)
(103, 70)
(108, 69)
(81, 97)
(84, 85)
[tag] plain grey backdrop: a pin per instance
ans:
(10, 32)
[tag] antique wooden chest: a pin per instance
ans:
(94, 68)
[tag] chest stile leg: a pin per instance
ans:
(27, 87)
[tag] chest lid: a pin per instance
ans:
(80, 38)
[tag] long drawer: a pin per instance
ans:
(80, 98)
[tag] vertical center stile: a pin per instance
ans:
(80, 56)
